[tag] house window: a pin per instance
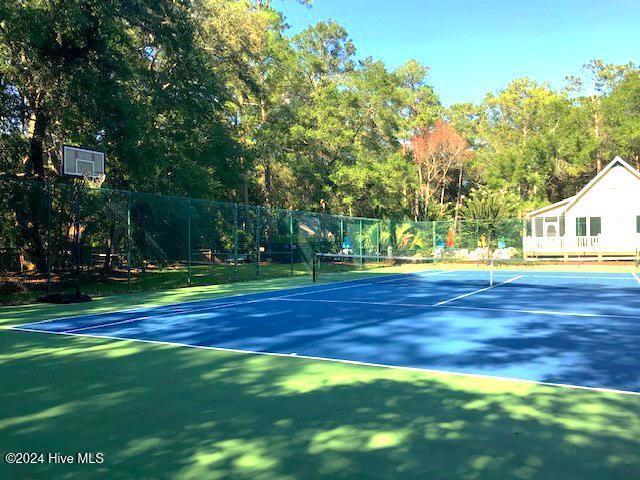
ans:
(562, 225)
(539, 227)
(595, 226)
(581, 226)
(638, 224)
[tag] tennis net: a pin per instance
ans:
(621, 273)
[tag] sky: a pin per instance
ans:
(477, 47)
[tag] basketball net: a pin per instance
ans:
(94, 182)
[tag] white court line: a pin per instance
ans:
(144, 308)
(126, 310)
(635, 275)
(510, 310)
(172, 314)
(337, 360)
(311, 292)
(100, 325)
(189, 302)
(348, 302)
(405, 276)
(213, 307)
(443, 302)
(570, 277)
(545, 312)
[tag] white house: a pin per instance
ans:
(602, 219)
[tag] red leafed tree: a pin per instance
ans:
(437, 150)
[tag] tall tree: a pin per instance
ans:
(597, 81)
(436, 150)
(621, 124)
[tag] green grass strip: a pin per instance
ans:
(158, 411)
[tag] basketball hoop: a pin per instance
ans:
(83, 163)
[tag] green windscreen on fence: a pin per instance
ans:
(56, 235)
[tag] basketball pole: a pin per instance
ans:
(76, 235)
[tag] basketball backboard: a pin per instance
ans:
(81, 162)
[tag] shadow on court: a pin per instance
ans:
(584, 337)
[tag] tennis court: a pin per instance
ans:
(565, 327)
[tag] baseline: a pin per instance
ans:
(339, 360)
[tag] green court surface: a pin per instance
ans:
(161, 411)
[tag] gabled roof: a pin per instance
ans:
(550, 207)
(571, 201)
(616, 161)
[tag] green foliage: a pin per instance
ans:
(212, 99)
(410, 239)
(621, 111)
(492, 213)
(484, 204)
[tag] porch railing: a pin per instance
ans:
(586, 244)
(562, 244)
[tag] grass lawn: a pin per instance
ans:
(155, 279)
(159, 411)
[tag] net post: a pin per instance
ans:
(128, 241)
(291, 241)
(235, 242)
(189, 241)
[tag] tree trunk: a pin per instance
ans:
(31, 202)
(115, 235)
(596, 133)
(106, 266)
(458, 196)
(267, 182)
(266, 158)
(245, 189)
(30, 217)
(427, 197)
(37, 130)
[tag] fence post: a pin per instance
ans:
(257, 241)
(235, 242)
(189, 241)
(341, 232)
(361, 242)
(291, 240)
(433, 233)
(320, 237)
(378, 239)
(128, 241)
(392, 237)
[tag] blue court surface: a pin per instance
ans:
(544, 326)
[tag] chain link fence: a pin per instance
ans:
(58, 236)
